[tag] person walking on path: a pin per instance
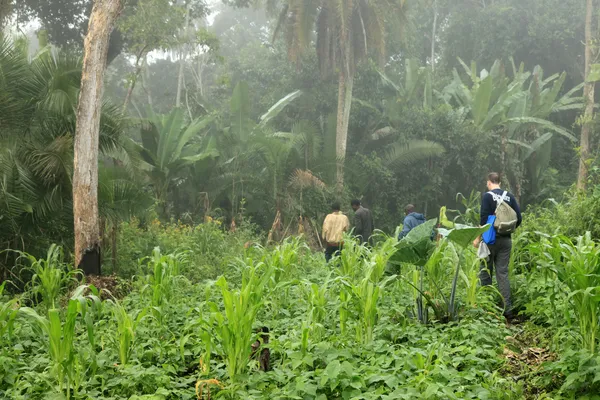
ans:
(411, 221)
(334, 226)
(363, 222)
(499, 258)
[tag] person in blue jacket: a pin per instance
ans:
(411, 221)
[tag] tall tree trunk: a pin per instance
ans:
(588, 95)
(5, 12)
(182, 59)
(138, 70)
(345, 87)
(146, 80)
(85, 171)
(433, 34)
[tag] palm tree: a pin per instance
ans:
(38, 99)
(347, 31)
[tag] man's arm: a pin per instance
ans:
(405, 228)
(517, 210)
(325, 228)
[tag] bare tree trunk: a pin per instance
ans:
(346, 84)
(433, 34)
(588, 95)
(182, 59)
(145, 80)
(5, 12)
(85, 172)
(138, 70)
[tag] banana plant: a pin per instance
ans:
(514, 110)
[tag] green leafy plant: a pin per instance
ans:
(234, 325)
(577, 265)
(50, 275)
(127, 324)
(60, 334)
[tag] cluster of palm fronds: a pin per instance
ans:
(38, 100)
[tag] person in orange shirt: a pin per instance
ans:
(334, 226)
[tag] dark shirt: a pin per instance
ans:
(488, 206)
(363, 224)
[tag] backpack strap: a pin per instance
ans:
(502, 198)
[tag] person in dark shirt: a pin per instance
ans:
(363, 222)
(501, 249)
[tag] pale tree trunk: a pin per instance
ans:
(588, 95)
(85, 171)
(146, 80)
(138, 70)
(433, 34)
(346, 84)
(182, 59)
(5, 12)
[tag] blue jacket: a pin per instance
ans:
(411, 221)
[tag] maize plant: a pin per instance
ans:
(60, 333)
(351, 260)
(317, 308)
(366, 295)
(284, 258)
(126, 327)
(8, 312)
(577, 265)
(50, 275)
(234, 325)
(380, 256)
(164, 270)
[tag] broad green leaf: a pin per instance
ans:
(464, 237)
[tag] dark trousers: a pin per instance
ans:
(499, 259)
(331, 251)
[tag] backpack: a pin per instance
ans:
(506, 217)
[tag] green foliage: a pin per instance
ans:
(50, 275)
(234, 325)
(60, 334)
(576, 265)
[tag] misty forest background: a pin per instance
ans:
(231, 111)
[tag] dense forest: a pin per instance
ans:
(166, 167)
